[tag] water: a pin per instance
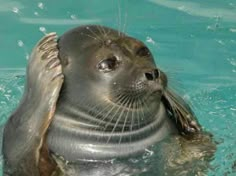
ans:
(195, 43)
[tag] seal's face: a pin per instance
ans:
(128, 68)
(110, 76)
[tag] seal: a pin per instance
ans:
(93, 95)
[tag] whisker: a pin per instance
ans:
(104, 32)
(94, 33)
(136, 107)
(104, 117)
(146, 107)
(132, 118)
(117, 121)
(140, 107)
(124, 26)
(99, 28)
(111, 119)
(119, 17)
(90, 36)
(126, 117)
(108, 32)
(126, 111)
(93, 106)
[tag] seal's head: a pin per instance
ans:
(111, 76)
(111, 101)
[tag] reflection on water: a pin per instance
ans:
(11, 89)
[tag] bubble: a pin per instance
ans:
(15, 10)
(40, 5)
(20, 43)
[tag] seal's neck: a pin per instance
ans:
(77, 141)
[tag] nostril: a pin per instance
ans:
(149, 76)
(152, 75)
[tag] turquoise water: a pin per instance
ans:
(193, 41)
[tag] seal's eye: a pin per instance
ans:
(108, 64)
(143, 52)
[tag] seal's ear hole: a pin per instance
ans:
(143, 52)
(109, 64)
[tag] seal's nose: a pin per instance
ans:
(152, 75)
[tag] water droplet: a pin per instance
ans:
(20, 43)
(40, 5)
(36, 13)
(232, 30)
(210, 27)
(7, 96)
(232, 41)
(233, 109)
(191, 35)
(232, 61)
(150, 40)
(147, 154)
(42, 29)
(73, 17)
(2, 89)
(132, 160)
(27, 56)
(181, 8)
(220, 42)
(15, 10)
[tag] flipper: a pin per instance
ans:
(181, 113)
(26, 128)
